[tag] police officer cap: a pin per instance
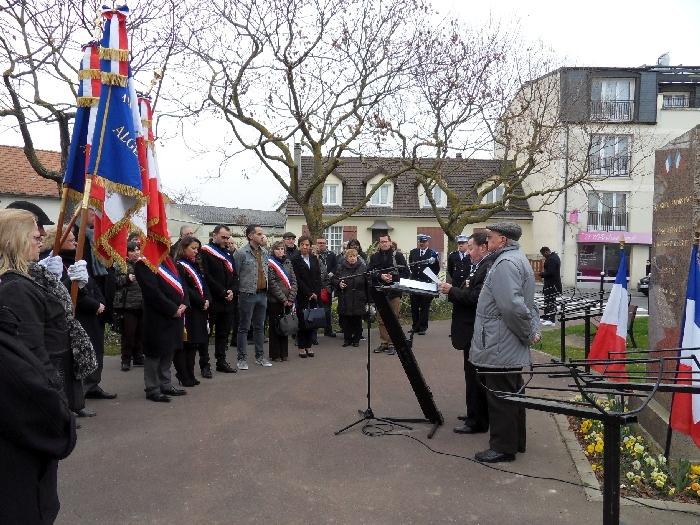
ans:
(423, 237)
(289, 235)
(41, 218)
(461, 238)
(508, 229)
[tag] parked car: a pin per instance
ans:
(643, 285)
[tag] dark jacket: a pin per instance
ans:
(89, 299)
(37, 430)
(352, 300)
(308, 279)
(388, 262)
(464, 300)
(219, 278)
(331, 262)
(277, 291)
(128, 295)
(162, 332)
(551, 274)
(43, 328)
(196, 318)
(457, 268)
(417, 269)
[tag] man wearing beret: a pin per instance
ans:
(290, 244)
(506, 324)
(420, 303)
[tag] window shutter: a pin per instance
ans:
(648, 91)
(575, 96)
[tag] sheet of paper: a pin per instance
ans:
(419, 285)
(427, 271)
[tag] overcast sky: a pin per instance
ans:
(624, 33)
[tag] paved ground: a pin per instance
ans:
(258, 447)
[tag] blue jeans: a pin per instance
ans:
(251, 307)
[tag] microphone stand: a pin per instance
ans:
(368, 414)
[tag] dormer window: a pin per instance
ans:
(495, 195)
(330, 195)
(438, 196)
(384, 194)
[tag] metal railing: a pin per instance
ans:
(612, 110)
(676, 101)
(617, 166)
(613, 220)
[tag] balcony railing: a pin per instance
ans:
(612, 110)
(676, 101)
(608, 221)
(617, 166)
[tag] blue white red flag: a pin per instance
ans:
(610, 342)
(685, 412)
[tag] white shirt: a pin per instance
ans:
(307, 260)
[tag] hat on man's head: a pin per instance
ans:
(506, 228)
(422, 237)
(461, 238)
(289, 235)
(41, 218)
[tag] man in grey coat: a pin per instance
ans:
(506, 324)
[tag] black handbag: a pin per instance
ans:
(314, 317)
(287, 323)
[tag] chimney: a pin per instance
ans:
(458, 156)
(297, 158)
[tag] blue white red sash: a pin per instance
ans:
(215, 251)
(171, 278)
(194, 275)
(279, 270)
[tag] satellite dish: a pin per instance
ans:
(664, 60)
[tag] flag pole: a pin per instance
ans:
(629, 300)
(81, 234)
(59, 223)
(669, 430)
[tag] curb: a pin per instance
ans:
(588, 478)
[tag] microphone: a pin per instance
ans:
(430, 260)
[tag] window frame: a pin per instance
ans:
(334, 238)
(327, 187)
(490, 197)
(377, 194)
(441, 203)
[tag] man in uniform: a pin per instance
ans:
(464, 299)
(420, 303)
(221, 278)
(458, 262)
(506, 324)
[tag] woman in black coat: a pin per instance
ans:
(196, 317)
(164, 304)
(308, 274)
(349, 281)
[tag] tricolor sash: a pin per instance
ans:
(195, 276)
(215, 251)
(279, 270)
(171, 278)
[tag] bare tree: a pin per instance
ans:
(41, 45)
(315, 72)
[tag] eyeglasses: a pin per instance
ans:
(38, 238)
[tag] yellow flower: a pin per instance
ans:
(695, 469)
(695, 486)
(630, 476)
(589, 449)
(638, 448)
(599, 447)
(671, 491)
(659, 483)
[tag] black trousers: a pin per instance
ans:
(278, 346)
(352, 328)
(506, 420)
(477, 404)
(184, 361)
(131, 336)
(550, 304)
(420, 312)
(222, 321)
(329, 317)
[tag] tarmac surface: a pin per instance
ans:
(259, 447)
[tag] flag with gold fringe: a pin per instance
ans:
(113, 163)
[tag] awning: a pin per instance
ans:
(380, 225)
(612, 237)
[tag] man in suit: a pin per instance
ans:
(464, 299)
(458, 262)
(420, 304)
(221, 278)
(551, 287)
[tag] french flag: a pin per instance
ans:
(611, 338)
(685, 411)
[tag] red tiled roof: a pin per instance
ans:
(462, 175)
(18, 178)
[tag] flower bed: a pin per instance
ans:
(643, 471)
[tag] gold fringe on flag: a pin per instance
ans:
(114, 79)
(93, 74)
(146, 122)
(111, 53)
(87, 102)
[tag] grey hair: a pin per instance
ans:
(511, 242)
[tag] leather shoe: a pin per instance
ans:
(85, 412)
(467, 429)
(493, 456)
(462, 418)
(206, 372)
(346, 343)
(158, 398)
(223, 366)
(99, 394)
(172, 391)
(126, 366)
(421, 332)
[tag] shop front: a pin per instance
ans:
(599, 252)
